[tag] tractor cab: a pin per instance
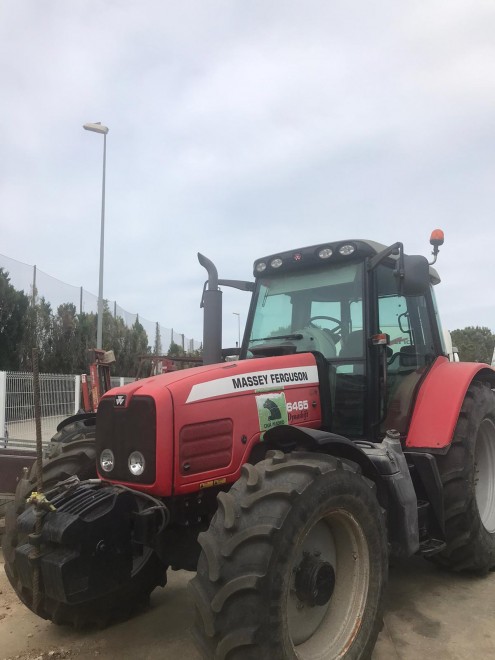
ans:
(367, 311)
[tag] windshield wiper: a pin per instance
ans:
(294, 336)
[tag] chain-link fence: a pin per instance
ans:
(31, 279)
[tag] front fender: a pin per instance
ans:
(439, 402)
(383, 463)
(288, 438)
(76, 418)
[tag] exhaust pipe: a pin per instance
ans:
(211, 302)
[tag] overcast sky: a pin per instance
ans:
(242, 128)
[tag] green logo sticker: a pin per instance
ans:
(272, 410)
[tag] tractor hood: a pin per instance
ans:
(216, 380)
(194, 425)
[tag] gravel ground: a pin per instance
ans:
(429, 613)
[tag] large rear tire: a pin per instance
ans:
(79, 429)
(468, 476)
(293, 565)
(77, 458)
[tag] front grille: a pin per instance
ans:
(124, 430)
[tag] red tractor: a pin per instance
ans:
(342, 436)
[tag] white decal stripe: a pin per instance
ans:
(274, 378)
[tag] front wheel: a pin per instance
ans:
(294, 564)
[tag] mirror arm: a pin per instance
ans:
(392, 249)
(399, 268)
(435, 252)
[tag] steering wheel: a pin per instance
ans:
(334, 332)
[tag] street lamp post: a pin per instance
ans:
(238, 328)
(98, 127)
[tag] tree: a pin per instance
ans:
(135, 345)
(474, 343)
(66, 350)
(63, 339)
(13, 307)
(176, 350)
(38, 333)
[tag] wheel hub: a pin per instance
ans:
(315, 580)
(328, 586)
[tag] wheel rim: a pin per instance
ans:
(326, 631)
(485, 474)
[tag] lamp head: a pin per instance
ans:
(97, 127)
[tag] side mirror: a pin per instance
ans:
(416, 276)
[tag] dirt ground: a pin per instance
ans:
(429, 613)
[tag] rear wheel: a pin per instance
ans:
(468, 476)
(77, 458)
(294, 564)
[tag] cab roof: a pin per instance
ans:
(324, 254)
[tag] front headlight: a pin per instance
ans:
(136, 463)
(107, 460)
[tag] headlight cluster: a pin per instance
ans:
(107, 460)
(135, 462)
(323, 252)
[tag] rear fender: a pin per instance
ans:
(439, 402)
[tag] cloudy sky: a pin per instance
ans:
(240, 128)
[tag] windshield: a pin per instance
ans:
(311, 311)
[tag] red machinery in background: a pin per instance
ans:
(94, 386)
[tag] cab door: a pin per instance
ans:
(414, 345)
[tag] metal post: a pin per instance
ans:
(37, 415)
(33, 299)
(99, 328)
(238, 327)
(80, 300)
(77, 394)
(35, 553)
(3, 402)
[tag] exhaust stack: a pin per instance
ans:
(211, 302)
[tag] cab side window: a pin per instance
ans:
(411, 351)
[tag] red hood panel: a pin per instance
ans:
(209, 418)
